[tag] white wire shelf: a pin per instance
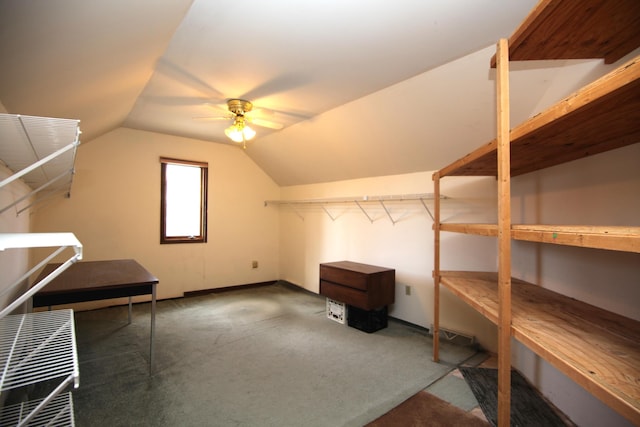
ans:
(362, 202)
(354, 199)
(41, 151)
(38, 240)
(37, 347)
(58, 413)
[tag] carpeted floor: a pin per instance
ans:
(425, 409)
(258, 357)
(528, 408)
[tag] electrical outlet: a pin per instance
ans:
(254, 264)
(407, 290)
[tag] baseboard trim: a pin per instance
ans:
(228, 288)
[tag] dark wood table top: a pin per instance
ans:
(96, 275)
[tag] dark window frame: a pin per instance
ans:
(204, 180)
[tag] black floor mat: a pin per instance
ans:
(528, 408)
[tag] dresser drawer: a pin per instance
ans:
(353, 279)
(345, 294)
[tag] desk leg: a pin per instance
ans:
(130, 309)
(153, 327)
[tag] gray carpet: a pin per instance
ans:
(256, 357)
(528, 408)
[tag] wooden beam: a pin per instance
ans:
(504, 235)
(436, 268)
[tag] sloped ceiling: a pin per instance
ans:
(351, 82)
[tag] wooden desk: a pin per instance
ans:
(97, 280)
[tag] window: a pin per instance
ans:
(183, 201)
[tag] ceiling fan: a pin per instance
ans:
(235, 109)
(240, 131)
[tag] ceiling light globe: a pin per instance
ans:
(234, 133)
(248, 133)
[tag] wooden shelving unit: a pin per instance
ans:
(597, 349)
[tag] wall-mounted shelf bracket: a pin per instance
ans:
(387, 211)
(324, 208)
(364, 212)
(360, 202)
(424, 204)
(292, 206)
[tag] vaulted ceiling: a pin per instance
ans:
(340, 77)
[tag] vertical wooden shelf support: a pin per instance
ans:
(436, 268)
(504, 234)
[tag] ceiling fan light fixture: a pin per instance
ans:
(239, 131)
(248, 133)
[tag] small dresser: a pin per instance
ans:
(366, 289)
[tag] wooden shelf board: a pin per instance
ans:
(490, 230)
(616, 238)
(597, 349)
(602, 237)
(555, 29)
(601, 116)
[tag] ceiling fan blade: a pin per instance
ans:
(266, 124)
(270, 112)
(175, 100)
(212, 118)
(296, 114)
(278, 84)
(183, 76)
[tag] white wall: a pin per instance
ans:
(114, 210)
(406, 246)
(13, 262)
